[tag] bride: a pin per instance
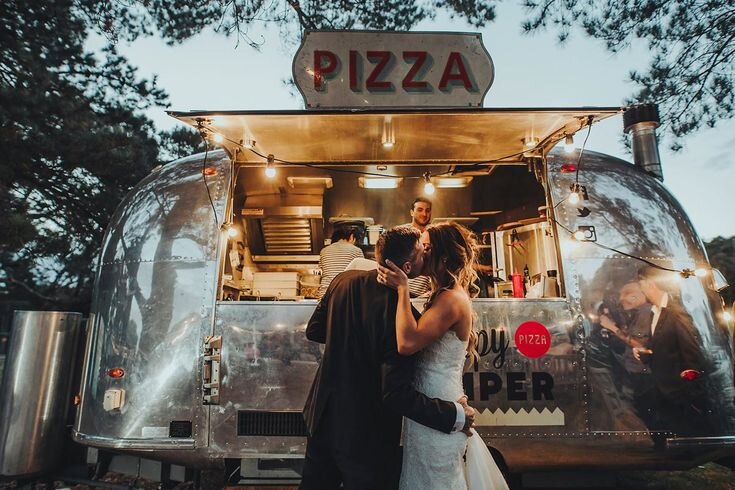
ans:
(444, 334)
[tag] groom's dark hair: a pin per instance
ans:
(397, 245)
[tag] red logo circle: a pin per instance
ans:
(532, 339)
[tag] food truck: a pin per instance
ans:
(196, 352)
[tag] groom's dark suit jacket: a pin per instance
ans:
(675, 348)
(680, 404)
(363, 384)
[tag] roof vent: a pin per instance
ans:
(641, 121)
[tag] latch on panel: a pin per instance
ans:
(210, 369)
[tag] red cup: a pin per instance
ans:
(517, 281)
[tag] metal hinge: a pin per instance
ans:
(210, 370)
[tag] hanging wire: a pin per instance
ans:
(579, 163)
(204, 175)
(581, 152)
(360, 172)
(652, 264)
(448, 172)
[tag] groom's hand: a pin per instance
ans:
(469, 416)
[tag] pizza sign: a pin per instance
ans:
(350, 69)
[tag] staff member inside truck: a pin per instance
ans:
(335, 257)
(420, 219)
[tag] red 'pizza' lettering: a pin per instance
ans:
(320, 69)
(382, 58)
(408, 81)
(449, 75)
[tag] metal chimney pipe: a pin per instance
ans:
(641, 121)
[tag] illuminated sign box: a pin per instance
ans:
(361, 69)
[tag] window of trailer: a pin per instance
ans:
(282, 223)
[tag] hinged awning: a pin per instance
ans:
(427, 137)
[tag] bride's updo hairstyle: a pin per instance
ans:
(452, 261)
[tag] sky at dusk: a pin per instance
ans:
(210, 73)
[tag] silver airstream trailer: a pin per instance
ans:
(196, 352)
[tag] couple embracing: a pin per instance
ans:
(382, 361)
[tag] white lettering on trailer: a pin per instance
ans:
(536, 339)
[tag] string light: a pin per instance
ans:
(270, 169)
(569, 144)
(428, 186)
(573, 197)
(228, 228)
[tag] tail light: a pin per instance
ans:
(690, 374)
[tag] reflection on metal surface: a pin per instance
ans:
(145, 445)
(633, 213)
(153, 307)
(35, 390)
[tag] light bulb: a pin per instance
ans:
(232, 231)
(569, 144)
(218, 138)
(573, 198)
(727, 316)
(248, 144)
(428, 186)
(700, 272)
(578, 235)
(270, 169)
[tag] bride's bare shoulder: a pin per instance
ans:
(454, 298)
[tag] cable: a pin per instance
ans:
(581, 151)
(448, 172)
(204, 176)
(652, 264)
(356, 172)
(579, 163)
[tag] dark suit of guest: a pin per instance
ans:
(361, 390)
(675, 346)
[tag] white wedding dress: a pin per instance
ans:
(433, 459)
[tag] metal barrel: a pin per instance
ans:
(35, 393)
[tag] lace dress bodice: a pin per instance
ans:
(439, 369)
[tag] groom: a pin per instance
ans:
(363, 386)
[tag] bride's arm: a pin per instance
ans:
(412, 335)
